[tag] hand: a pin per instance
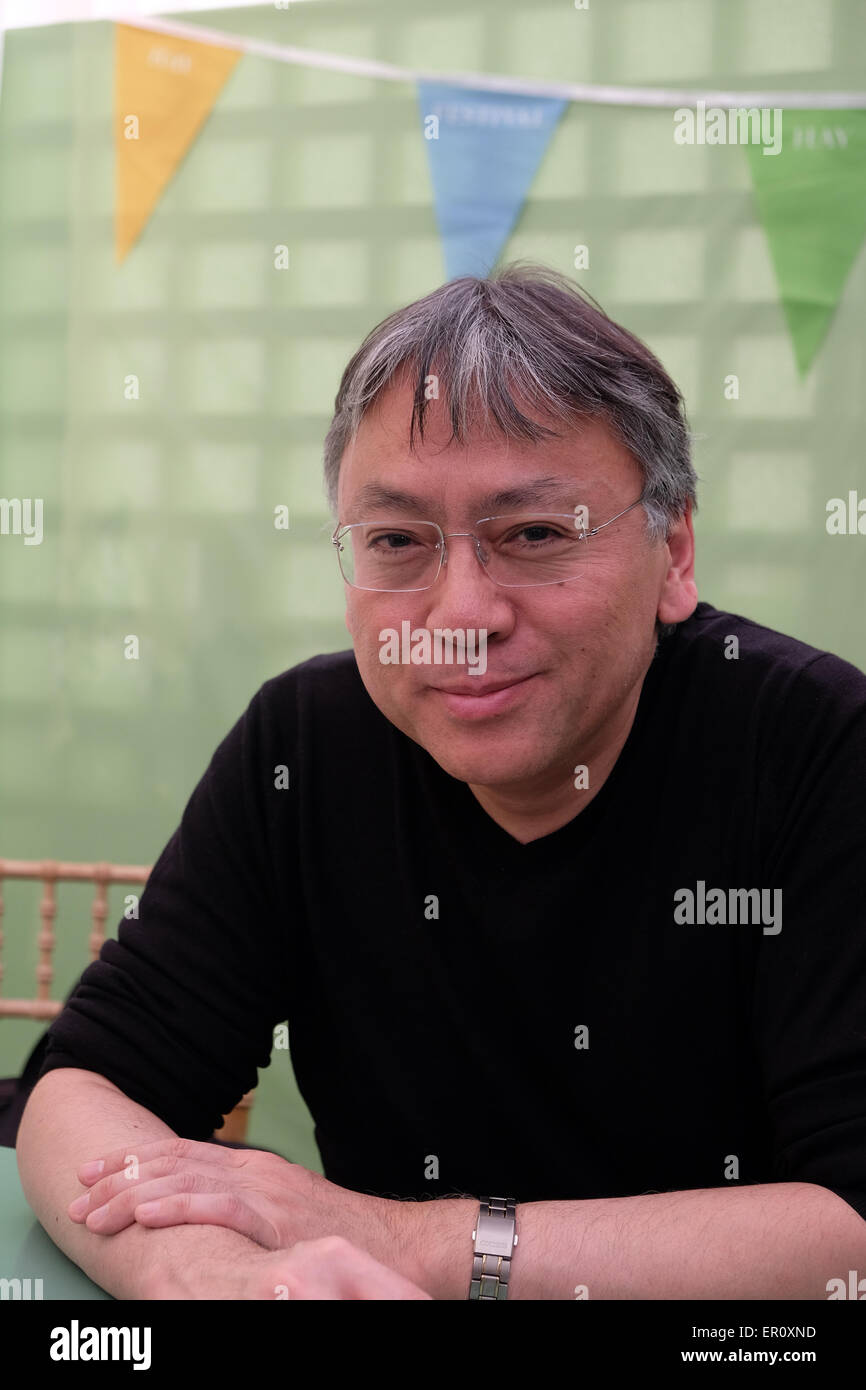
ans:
(328, 1268)
(262, 1196)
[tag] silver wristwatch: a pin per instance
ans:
(495, 1238)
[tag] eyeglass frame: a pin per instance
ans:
(336, 540)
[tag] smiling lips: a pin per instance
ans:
(478, 688)
(481, 699)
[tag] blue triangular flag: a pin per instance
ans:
(484, 148)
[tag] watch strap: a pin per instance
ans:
(495, 1238)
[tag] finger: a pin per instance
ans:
(209, 1209)
(371, 1280)
(136, 1173)
(333, 1268)
(172, 1145)
(117, 1214)
(354, 1288)
(386, 1284)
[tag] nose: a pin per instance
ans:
(464, 595)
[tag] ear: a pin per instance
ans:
(679, 594)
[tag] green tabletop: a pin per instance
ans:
(26, 1251)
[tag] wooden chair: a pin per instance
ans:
(50, 872)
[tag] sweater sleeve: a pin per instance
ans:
(810, 996)
(179, 1011)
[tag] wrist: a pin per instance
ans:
(438, 1237)
(191, 1261)
(246, 1274)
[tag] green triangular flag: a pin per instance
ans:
(812, 200)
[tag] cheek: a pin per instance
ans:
(625, 603)
(594, 640)
(583, 619)
(366, 624)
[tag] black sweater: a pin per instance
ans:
(557, 1030)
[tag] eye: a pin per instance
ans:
(398, 542)
(534, 534)
(540, 532)
(400, 539)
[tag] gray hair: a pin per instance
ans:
(528, 330)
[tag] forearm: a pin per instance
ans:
(72, 1116)
(774, 1240)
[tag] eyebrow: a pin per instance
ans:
(538, 490)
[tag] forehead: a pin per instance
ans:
(586, 457)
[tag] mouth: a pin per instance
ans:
(479, 700)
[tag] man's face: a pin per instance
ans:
(577, 650)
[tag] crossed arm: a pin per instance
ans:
(227, 1220)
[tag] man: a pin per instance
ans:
(579, 925)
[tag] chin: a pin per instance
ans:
(490, 768)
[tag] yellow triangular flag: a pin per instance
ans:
(164, 89)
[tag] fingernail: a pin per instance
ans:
(91, 1170)
(79, 1205)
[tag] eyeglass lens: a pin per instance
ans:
(536, 548)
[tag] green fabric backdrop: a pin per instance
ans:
(158, 512)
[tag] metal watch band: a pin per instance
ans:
(495, 1238)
